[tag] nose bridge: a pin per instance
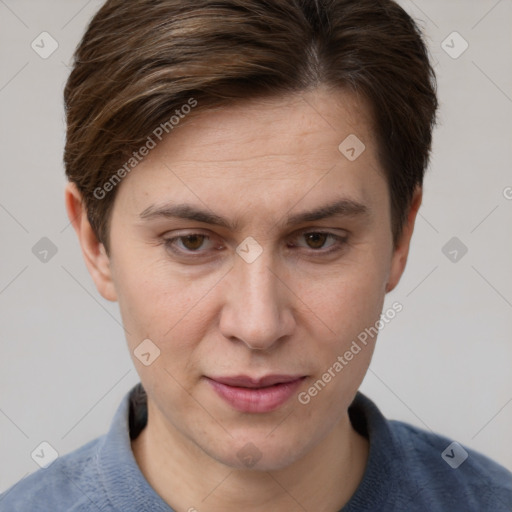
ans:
(258, 283)
(256, 306)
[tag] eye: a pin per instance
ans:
(189, 243)
(316, 241)
(196, 244)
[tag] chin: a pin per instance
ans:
(259, 453)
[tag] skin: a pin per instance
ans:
(293, 310)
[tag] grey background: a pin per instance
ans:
(443, 364)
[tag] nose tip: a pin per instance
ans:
(260, 339)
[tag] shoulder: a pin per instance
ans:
(70, 483)
(444, 471)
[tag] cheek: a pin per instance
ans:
(159, 304)
(350, 297)
(156, 304)
(350, 305)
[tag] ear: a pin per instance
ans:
(401, 251)
(96, 259)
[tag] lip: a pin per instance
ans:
(256, 395)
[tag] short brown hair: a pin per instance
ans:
(142, 60)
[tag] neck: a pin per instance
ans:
(188, 479)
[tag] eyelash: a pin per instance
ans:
(341, 241)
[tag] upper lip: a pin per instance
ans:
(256, 382)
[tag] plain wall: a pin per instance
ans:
(444, 363)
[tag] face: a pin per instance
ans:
(252, 302)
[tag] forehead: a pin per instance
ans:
(282, 145)
(286, 125)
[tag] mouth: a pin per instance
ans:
(256, 395)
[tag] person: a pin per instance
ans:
(244, 178)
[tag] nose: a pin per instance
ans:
(257, 310)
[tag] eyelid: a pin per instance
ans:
(326, 231)
(198, 231)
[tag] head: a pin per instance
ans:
(244, 180)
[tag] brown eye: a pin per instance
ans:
(188, 244)
(316, 240)
(321, 242)
(192, 242)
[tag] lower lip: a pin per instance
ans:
(256, 399)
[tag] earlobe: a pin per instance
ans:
(95, 256)
(401, 251)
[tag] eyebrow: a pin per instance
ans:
(341, 208)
